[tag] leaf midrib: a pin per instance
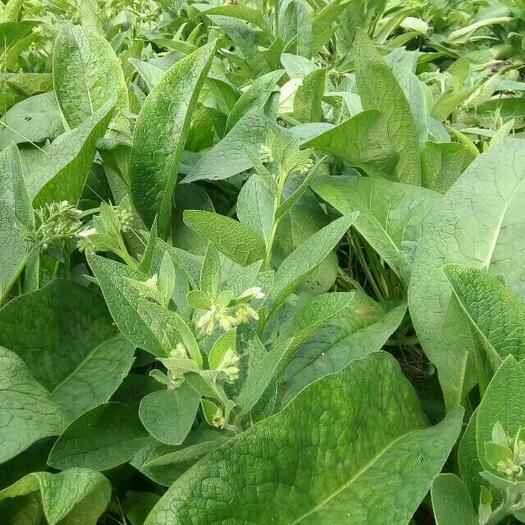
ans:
(354, 478)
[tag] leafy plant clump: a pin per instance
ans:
(262, 262)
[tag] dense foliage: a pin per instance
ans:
(262, 262)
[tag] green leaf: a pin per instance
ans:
(309, 97)
(255, 97)
(390, 214)
(255, 206)
(262, 373)
(331, 346)
(496, 315)
(230, 156)
(96, 378)
(145, 324)
(222, 345)
(70, 497)
(27, 411)
(15, 87)
(11, 11)
(451, 501)
(503, 402)
(122, 300)
(478, 225)
(71, 321)
(168, 415)
(164, 464)
(160, 135)
(363, 141)
(87, 75)
(380, 90)
(211, 273)
(15, 215)
(234, 239)
(35, 119)
(307, 257)
(248, 14)
(442, 165)
(338, 480)
(101, 439)
(468, 461)
(60, 170)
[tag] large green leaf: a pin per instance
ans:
(363, 141)
(15, 214)
(55, 328)
(390, 214)
(479, 224)
(322, 459)
(160, 135)
(68, 498)
(87, 74)
(27, 412)
(236, 240)
(96, 378)
(380, 90)
(451, 501)
(60, 171)
(101, 439)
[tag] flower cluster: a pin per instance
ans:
(55, 223)
(235, 313)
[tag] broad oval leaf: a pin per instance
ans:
(349, 456)
(87, 74)
(96, 378)
(168, 415)
(73, 496)
(71, 321)
(160, 135)
(479, 224)
(101, 439)
(27, 412)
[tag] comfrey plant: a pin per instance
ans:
(261, 262)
